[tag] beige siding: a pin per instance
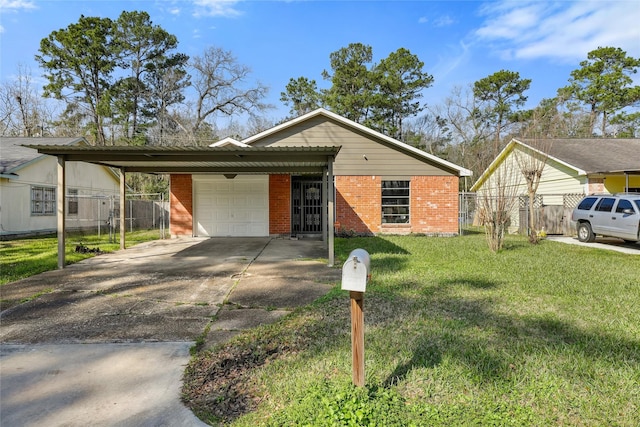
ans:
(556, 179)
(359, 155)
(559, 179)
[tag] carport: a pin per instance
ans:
(225, 161)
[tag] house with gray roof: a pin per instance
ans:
(28, 181)
(573, 168)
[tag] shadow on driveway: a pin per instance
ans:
(140, 310)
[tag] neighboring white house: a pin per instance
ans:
(573, 168)
(28, 188)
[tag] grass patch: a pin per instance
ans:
(25, 257)
(545, 334)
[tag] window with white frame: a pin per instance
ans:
(395, 202)
(72, 201)
(43, 200)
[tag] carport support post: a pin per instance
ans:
(357, 337)
(325, 235)
(61, 212)
(123, 208)
(330, 200)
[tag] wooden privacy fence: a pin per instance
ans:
(552, 211)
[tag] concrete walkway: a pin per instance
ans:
(94, 384)
(105, 341)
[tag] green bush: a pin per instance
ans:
(328, 404)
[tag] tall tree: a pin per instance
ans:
(141, 44)
(429, 132)
(73, 121)
(301, 95)
(470, 133)
(399, 80)
(381, 96)
(79, 62)
(22, 110)
(626, 125)
(352, 85)
(219, 83)
(604, 84)
(165, 81)
(501, 93)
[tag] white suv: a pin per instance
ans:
(616, 215)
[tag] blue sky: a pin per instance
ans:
(459, 41)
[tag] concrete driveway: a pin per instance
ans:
(105, 341)
(607, 243)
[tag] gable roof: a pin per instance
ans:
(228, 141)
(14, 155)
(398, 145)
(586, 155)
(597, 155)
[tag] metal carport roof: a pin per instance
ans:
(259, 160)
(190, 159)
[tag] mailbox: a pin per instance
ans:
(356, 271)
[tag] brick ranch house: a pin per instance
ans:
(381, 186)
(309, 176)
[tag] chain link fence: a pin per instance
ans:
(101, 214)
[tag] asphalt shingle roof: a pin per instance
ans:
(595, 155)
(13, 156)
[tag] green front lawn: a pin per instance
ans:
(26, 257)
(454, 335)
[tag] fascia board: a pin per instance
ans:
(493, 165)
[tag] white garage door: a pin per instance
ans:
(231, 207)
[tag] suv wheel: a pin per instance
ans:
(585, 234)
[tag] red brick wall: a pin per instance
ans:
(358, 203)
(434, 205)
(181, 201)
(596, 185)
(279, 204)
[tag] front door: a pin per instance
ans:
(306, 205)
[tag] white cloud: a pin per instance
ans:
(15, 5)
(443, 21)
(1, 29)
(566, 31)
(447, 65)
(224, 8)
(175, 11)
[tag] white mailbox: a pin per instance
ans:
(356, 271)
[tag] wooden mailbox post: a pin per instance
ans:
(355, 275)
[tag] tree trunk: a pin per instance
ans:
(533, 232)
